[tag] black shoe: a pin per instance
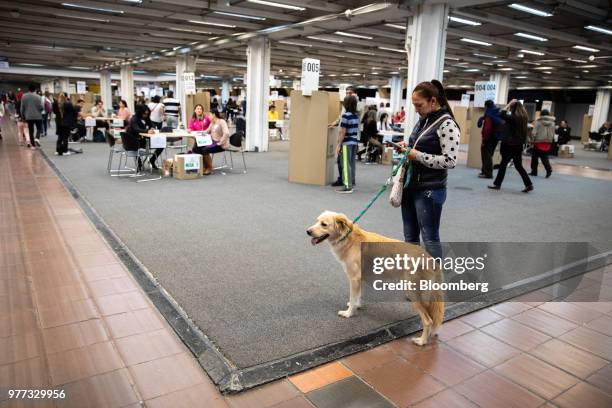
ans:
(484, 176)
(527, 189)
(533, 174)
(548, 173)
(494, 187)
(344, 190)
(337, 184)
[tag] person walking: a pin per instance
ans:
(490, 124)
(31, 109)
(514, 136)
(542, 138)
(434, 143)
(346, 147)
(172, 109)
(66, 121)
(46, 111)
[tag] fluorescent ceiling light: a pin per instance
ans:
(531, 63)
(469, 40)
(464, 21)
(586, 71)
(100, 20)
(485, 55)
(452, 58)
(345, 34)
(223, 13)
(471, 70)
(488, 63)
(189, 30)
(504, 69)
(273, 4)
(396, 26)
(394, 72)
(543, 68)
(589, 66)
(446, 71)
(529, 10)
(212, 24)
(295, 43)
(23, 64)
(139, 72)
(550, 60)
(599, 29)
(332, 40)
(577, 60)
(583, 48)
(73, 67)
(531, 37)
(103, 10)
(360, 52)
(520, 77)
(391, 49)
(533, 52)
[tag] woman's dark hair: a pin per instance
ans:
(193, 115)
(433, 89)
(383, 116)
(216, 113)
(156, 99)
(271, 106)
(350, 104)
(99, 101)
(121, 101)
(521, 116)
(544, 112)
(141, 110)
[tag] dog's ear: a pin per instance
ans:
(343, 221)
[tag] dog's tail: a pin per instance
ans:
(435, 310)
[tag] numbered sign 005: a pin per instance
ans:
(310, 75)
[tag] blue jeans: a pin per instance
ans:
(421, 213)
(172, 121)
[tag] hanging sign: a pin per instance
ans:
(189, 81)
(547, 105)
(484, 91)
(310, 75)
(158, 142)
(591, 110)
(71, 89)
(81, 87)
(4, 63)
(465, 100)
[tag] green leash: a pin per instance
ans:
(383, 188)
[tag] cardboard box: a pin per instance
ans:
(387, 157)
(187, 166)
(166, 170)
(563, 154)
(566, 148)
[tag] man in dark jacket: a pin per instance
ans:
(490, 123)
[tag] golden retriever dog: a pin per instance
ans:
(345, 239)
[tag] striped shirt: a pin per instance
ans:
(171, 106)
(350, 122)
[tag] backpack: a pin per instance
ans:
(48, 108)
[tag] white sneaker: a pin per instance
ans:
(56, 153)
(37, 142)
(66, 154)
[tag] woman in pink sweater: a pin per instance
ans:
(199, 122)
(219, 133)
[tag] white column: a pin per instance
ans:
(127, 86)
(65, 85)
(602, 107)
(502, 82)
(258, 79)
(184, 63)
(106, 92)
(396, 93)
(225, 91)
(426, 41)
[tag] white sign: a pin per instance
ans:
(342, 91)
(90, 122)
(118, 123)
(310, 75)
(274, 95)
(484, 91)
(296, 85)
(189, 81)
(4, 64)
(158, 142)
(547, 105)
(81, 87)
(591, 110)
(71, 89)
(465, 100)
(191, 162)
(203, 140)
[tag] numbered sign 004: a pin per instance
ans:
(310, 75)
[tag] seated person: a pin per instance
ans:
(98, 111)
(199, 122)
(219, 133)
(140, 123)
(80, 121)
(564, 132)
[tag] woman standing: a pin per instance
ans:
(515, 134)
(434, 143)
(66, 120)
(157, 112)
(543, 137)
(219, 133)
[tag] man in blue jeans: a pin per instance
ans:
(31, 110)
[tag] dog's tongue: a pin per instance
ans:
(314, 241)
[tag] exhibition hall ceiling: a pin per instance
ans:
(539, 43)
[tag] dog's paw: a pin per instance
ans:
(419, 341)
(345, 313)
(357, 306)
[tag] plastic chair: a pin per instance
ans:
(236, 146)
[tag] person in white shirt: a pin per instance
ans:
(157, 112)
(383, 122)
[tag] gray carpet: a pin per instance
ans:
(232, 250)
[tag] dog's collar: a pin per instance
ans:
(345, 235)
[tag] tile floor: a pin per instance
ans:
(73, 319)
